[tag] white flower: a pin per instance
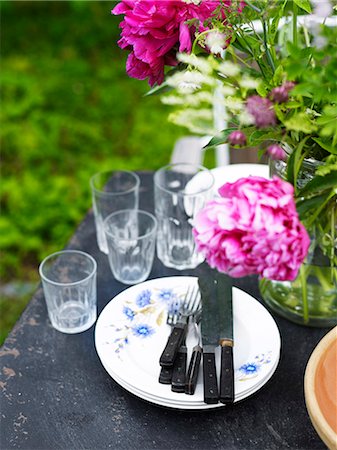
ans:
(229, 69)
(187, 81)
(216, 42)
(173, 100)
(320, 42)
(200, 97)
(197, 121)
(245, 118)
(322, 8)
(226, 90)
(202, 64)
(193, 100)
(195, 2)
(234, 105)
(247, 82)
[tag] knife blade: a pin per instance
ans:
(224, 296)
(210, 337)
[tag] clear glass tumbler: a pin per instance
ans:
(112, 191)
(131, 237)
(180, 191)
(69, 284)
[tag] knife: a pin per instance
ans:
(179, 369)
(210, 337)
(224, 297)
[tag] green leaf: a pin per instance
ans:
(220, 139)
(295, 161)
(304, 4)
(320, 184)
(304, 89)
(278, 75)
(305, 206)
(300, 122)
(261, 90)
(164, 87)
(326, 146)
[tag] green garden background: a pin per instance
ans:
(68, 110)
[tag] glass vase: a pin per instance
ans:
(311, 299)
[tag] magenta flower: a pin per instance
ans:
(253, 229)
(280, 94)
(276, 152)
(154, 30)
(262, 110)
(237, 137)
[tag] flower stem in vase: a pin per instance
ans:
(304, 295)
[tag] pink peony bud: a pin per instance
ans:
(289, 85)
(237, 138)
(262, 110)
(280, 94)
(253, 228)
(276, 152)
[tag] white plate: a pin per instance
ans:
(228, 174)
(232, 172)
(131, 333)
(184, 404)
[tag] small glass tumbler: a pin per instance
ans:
(131, 237)
(180, 191)
(69, 284)
(112, 191)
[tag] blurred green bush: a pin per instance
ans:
(68, 109)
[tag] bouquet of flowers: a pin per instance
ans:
(273, 68)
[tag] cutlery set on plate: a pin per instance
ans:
(208, 307)
(127, 338)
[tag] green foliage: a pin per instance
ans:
(68, 110)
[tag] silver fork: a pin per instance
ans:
(193, 368)
(188, 307)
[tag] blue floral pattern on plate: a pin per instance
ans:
(144, 315)
(148, 311)
(252, 368)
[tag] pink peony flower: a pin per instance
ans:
(237, 137)
(253, 229)
(276, 152)
(262, 110)
(154, 30)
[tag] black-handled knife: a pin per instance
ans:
(179, 370)
(173, 344)
(224, 294)
(210, 337)
(165, 376)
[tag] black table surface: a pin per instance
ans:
(57, 395)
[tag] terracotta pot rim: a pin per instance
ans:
(324, 430)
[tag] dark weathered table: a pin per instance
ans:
(56, 394)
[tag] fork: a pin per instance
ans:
(189, 306)
(193, 368)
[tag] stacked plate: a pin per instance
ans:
(131, 333)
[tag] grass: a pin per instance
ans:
(68, 109)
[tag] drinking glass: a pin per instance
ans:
(131, 237)
(112, 191)
(180, 191)
(69, 284)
